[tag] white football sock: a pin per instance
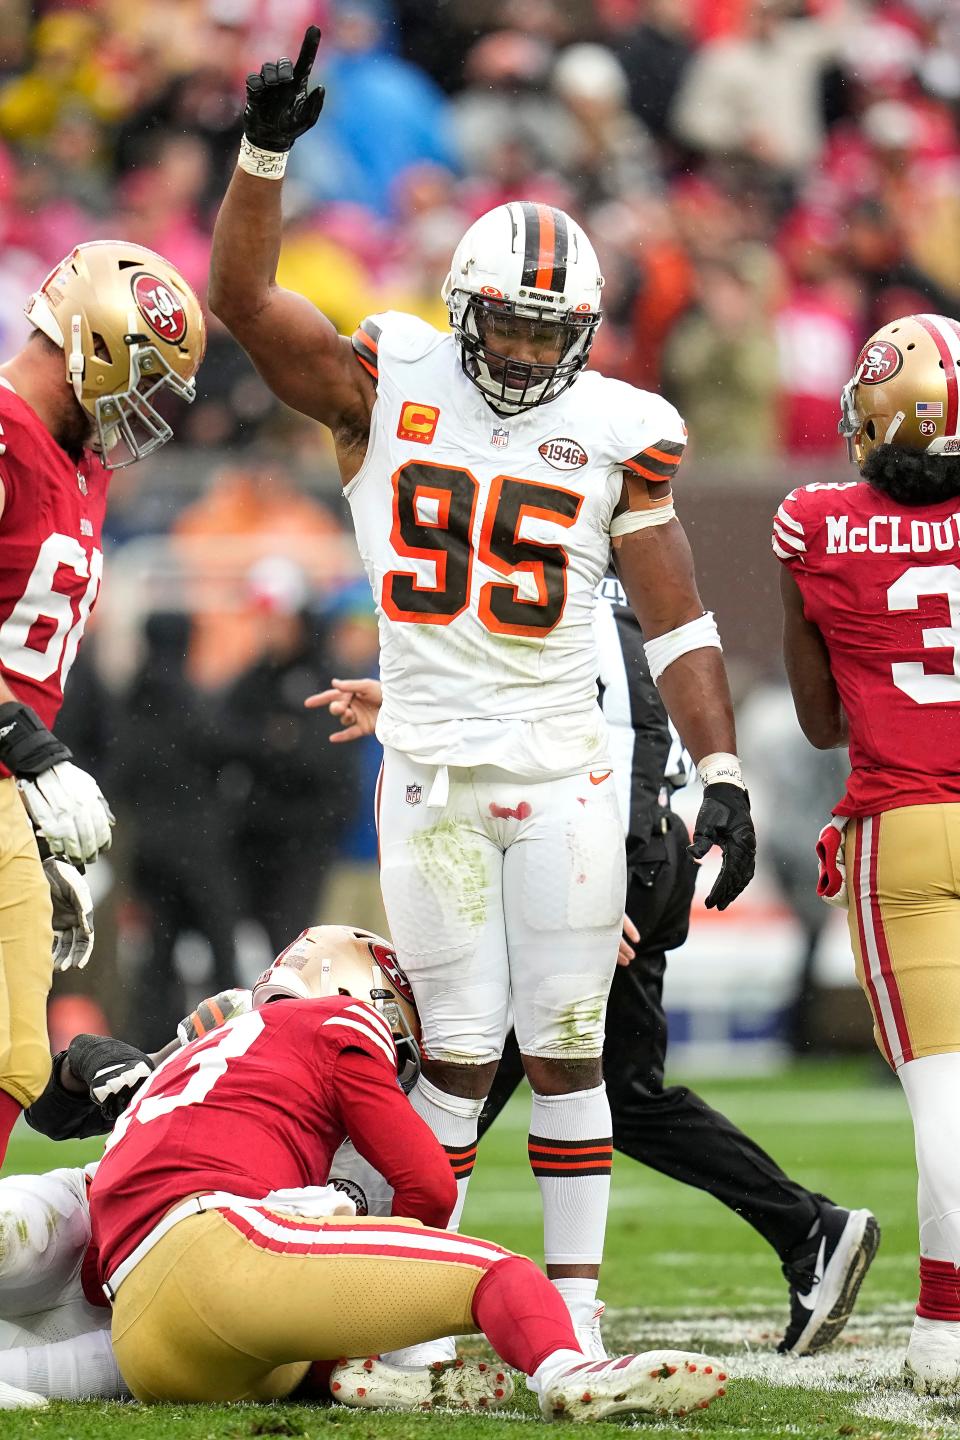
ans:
(932, 1088)
(453, 1119)
(82, 1368)
(933, 1242)
(580, 1296)
(571, 1154)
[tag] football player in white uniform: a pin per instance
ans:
(488, 475)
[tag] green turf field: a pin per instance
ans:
(680, 1271)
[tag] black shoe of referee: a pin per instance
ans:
(824, 1275)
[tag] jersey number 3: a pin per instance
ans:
(434, 507)
(924, 686)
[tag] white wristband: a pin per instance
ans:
(720, 769)
(267, 164)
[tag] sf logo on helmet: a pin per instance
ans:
(160, 308)
(389, 964)
(879, 361)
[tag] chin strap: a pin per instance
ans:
(76, 364)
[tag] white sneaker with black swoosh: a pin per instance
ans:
(825, 1276)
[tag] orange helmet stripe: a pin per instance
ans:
(547, 256)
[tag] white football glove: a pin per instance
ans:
(67, 807)
(72, 914)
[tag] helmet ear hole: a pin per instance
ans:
(871, 429)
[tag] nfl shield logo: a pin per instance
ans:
(500, 436)
(414, 794)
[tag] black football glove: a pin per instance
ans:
(278, 108)
(724, 820)
(112, 1071)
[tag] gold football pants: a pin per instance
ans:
(236, 1305)
(903, 884)
(26, 944)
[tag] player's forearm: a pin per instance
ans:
(695, 690)
(390, 1135)
(246, 248)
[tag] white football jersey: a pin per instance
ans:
(484, 539)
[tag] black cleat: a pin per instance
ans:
(825, 1276)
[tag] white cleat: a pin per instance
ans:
(659, 1382)
(13, 1399)
(932, 1364)
(372, 1384)
(590, 1336)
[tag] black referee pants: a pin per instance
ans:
(670, 1128)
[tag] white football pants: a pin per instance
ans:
(509, 890)
(44, 1233)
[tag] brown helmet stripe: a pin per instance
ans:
(531, 243)
(546, 242)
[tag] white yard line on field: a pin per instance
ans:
(865, 1363)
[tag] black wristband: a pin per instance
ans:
(27, 747)
(62, 1115)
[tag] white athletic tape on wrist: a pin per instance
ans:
(632, 520)
(720, 769)
(266, 164)
(699, 634)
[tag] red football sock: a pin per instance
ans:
(10, 1112)
(522, 1315)
(939, 1290)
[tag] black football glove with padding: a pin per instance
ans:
(724, 819)
(112, 1070)
(278, 108)
(63, 1115)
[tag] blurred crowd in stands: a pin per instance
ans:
(766, 182)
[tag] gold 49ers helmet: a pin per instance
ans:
(130, 327)
(338, 960)
(904, 390)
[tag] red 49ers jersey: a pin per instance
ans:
(256, 1106)
(50, 537)
(881, 581)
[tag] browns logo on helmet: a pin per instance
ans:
(339, 960)
(130, 327)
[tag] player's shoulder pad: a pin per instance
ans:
(394, 335)
(354, 1025)
(645, 433)
(799, 518)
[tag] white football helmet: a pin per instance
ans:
(523, 273)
